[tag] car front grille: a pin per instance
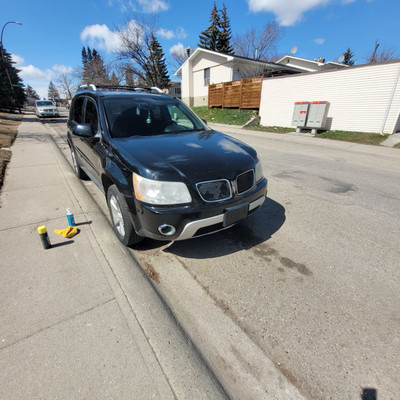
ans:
(215, 190)
(223, 189)
(245, 181)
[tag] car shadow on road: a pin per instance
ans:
(258, 228)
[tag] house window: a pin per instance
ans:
(206, 76)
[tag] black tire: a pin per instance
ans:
(120, 220)
(77, 168)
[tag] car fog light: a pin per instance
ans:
(166, 230)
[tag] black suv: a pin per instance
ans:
(165, 174)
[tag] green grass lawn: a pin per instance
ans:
(356, 137)
(228, 116)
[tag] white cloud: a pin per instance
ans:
(101, 37)
(31, 73)
(166, 34)
(288, 12)
(145, 6)
(181, 33)
(153, 6)
(63, 69)
(18, 60)
(178, 50)
(37, 78)
(319, 40)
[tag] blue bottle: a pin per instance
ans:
(70, 216)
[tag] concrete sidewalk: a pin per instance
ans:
(67, 328)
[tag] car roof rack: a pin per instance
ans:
(91, 86)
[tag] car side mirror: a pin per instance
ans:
(83, 130)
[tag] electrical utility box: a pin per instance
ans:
(300, 113)
(317, 114)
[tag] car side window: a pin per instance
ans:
(77, 110)
(91, 116)
(179, 117)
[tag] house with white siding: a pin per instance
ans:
(363, 98)
(204, 67)
(310, 65)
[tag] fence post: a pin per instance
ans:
(223, 95)
(241, 92)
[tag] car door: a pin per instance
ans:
(93, 147)
(89, 149)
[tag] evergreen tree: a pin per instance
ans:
(52, 93)
(156, 72)
(12, 94)
(114, 80)
(84, 56)
(217, 36)
(225, 35)
(209, 37)
(94, 70)
(30, 92)
(348, 57)
(129, 81)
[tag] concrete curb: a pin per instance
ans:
(243, 369)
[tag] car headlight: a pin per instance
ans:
(160, 192)
(259, 171)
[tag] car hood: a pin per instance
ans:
(194, 156)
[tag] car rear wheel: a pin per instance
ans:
(77, 168)
(120, 220)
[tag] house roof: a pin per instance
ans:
(228, 57)
(314, 65)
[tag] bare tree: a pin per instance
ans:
(251, 72)
(385, 54)
(258, 45)
(67, 82)
(135, 40)
(179, 55)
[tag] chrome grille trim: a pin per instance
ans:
(225, 181)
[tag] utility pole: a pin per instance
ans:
(2, 53)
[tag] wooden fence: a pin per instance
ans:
(236, 94)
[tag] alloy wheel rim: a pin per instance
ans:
(74, 161)
(116, 215)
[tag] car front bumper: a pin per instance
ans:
(48, 113)
(188, 222)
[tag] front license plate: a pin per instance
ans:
(236, 214)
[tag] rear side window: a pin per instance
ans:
(77, 110)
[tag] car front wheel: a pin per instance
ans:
(120, 220)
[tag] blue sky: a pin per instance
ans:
(53, 33)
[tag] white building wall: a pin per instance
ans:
(218, 73)
(187, 83)
(363, 98)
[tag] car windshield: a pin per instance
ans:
(148, 115)
(44, 103)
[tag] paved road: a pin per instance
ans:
(312, 278)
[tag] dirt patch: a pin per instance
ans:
(152, 273)
(8, 131)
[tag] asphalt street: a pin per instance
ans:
(311, 278)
